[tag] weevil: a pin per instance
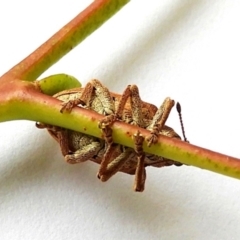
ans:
(77, 147)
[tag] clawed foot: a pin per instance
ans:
(153, 138)
(107, 121)
(41, 125)
(140, 174)
(69, 159)
(68, 106)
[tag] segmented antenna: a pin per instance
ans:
(178, 106)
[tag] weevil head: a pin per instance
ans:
(169, 132)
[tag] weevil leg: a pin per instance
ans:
(83, 100)
(41, 125)
(136, 105)
(105, 125)
(122, 102)
(48, 126)
(107, 121)
(115, 165)
(62, 138)
(110, 163)
(130, 92)
(104, 98)
(84, 154)
(140, 174)
(159, 120)
(108, 168)
(93, 89)
(107, 132)
(136, 108)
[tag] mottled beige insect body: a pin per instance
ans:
(77, 147)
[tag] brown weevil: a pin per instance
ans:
(77, 147)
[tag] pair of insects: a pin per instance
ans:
(77, 147)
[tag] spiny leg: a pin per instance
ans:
(140, 174)
(108, 168)
(83, 100)
(81, 155)
(159, 120)
(63, 140)
(108, 165)
(109, 120)
(93, 89)
(136, 105)
(62, 135)
(132, 92)
(116, 164)
(107, 132)
(136, 108)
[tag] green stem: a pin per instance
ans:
(57, 83)
(43, 108)
(65, 40)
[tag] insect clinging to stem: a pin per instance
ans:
(77, 147)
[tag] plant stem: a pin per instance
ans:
(43, 108)
(57, 83)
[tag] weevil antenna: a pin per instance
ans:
(178, 106)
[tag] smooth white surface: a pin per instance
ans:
(188, 50)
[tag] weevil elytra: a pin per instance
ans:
(78, 147)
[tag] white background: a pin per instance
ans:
(188, 50)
